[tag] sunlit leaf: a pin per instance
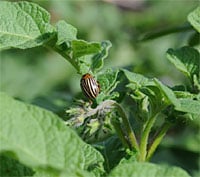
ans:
(194, 18)
(23, 25)
(40, 140)
(108, 82)
(81, 48)
(98, 59)
(65, 32)
(185, 59)
(137, 80)
(168, 93)
(189, 105)
(147, 169)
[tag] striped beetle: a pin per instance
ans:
(89, 86)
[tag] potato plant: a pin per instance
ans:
(37, 142)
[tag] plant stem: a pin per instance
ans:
(120, 133)
(66, 56)
(51, 46)
(109, 104)
(145, 137)
(130, 133)
(158, 139)
(156, 34)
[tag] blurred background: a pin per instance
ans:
(44, 78)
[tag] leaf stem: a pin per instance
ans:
(51, 45)
(130, 133)
(108, 105)
(144, 138)
(163, 32)
(158, 139)
(66, 56)
(120, 132)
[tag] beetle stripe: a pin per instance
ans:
(89, 86)
(84, 87)
(92, 87)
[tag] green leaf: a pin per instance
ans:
(81, 48)
(46, 173)
(98, 59)
(65, 173)
(112, 150)
(149, 101)
(185, 94)
(23, 25)
(137, 80)
(108, 82)
(194, 18)
(147, 169)
(65, 32)
(40, 140)
(82, 52)
(196, 83)
(76, 173)
(185, 59)
(93, 62)
(189, 105)
(168, 93)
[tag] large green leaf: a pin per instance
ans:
(194, 18)
(108, 82)
(189, 105)
(98, 59)
(137, 80)
(168, 94)
(185, 59)
(65, 32)
(81, 48)
(112, 151)
(147, 169)
(40, 140)
(66, 173)
(82, 53)
(23, 25)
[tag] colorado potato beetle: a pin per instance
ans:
(89, 86)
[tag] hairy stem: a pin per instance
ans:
(145, 137)
(164, 32)
(157, 140)
(108, 104)
(66, 56)
(120, 133)
(128, 138)
(130, 133)
(51, 45)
